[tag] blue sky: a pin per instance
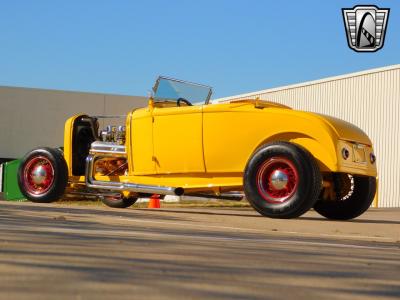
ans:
(235, 46)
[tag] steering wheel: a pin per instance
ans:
(178, 102)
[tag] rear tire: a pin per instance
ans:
(282, 180)
(122, 202)
(43, 175)
(356, 204)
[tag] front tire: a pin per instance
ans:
(43, 175)
(350, 207)
(118, 202)
(282, 180)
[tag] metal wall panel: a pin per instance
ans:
(367, 99)
(31, 118)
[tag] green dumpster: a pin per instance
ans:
(11, 189)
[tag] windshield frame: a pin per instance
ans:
(207, 100)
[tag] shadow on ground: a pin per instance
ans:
(58, 252)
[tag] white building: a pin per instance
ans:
(368, 99)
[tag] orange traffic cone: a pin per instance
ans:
(154, 201)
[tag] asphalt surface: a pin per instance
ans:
(58, 251)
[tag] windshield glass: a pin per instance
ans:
(168, 89)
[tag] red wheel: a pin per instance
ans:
(38, 175)
(277, 180)
(282, 180)
(43, 175)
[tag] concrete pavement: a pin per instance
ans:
(53, 251)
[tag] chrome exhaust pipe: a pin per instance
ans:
(91, 182)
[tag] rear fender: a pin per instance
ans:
(324, 153)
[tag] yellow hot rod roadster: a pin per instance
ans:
(284, 161)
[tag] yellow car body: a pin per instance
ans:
(207, 147)
(285, 161)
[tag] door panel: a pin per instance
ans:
(177, 138)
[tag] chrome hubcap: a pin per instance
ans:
(39, 175)
(279, 180)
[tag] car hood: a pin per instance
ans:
(345, 130)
